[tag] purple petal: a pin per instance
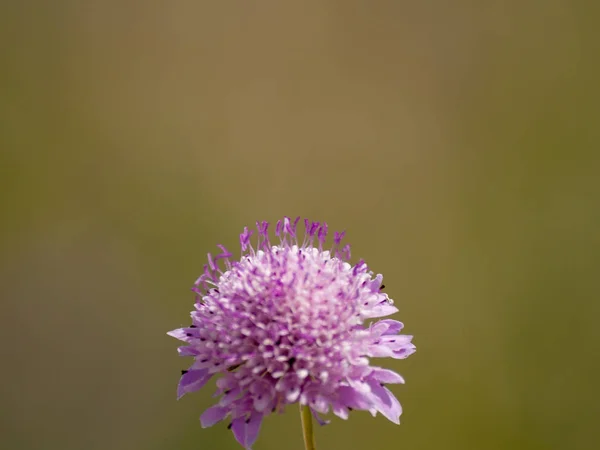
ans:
(318, 418)
(379, 351)
(386, 376)
(395, 342)
(404, 352)
(213, 415)
(227, 382)
(263, 394)
(387, 326)
(349, 396)
(319, 404)
(179, 333)
(290, 386)
(341, 411)
(230, 397)
(238, 426)
(192, 381)
(188, 351)
(252, 428)
(376, 283)
(380, 310)
(360, 386)
(386, 403)
(397, 347)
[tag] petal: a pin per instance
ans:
(213, 415)
(387, 326)
(188, 351)
(394, 410)
(350, 397)
(263, 394)
(179, 333)
(203, 362)
(386, 403)
(379, 351)
(380, 310)
(386, 376)
(397, 347)
(292, 394)
(238, 426)
(319, 419)
(404, 352)
(360, 386)
(375, 284)
(228, 381)
(264, 402)
(230, 396)
(252, 428)
(395, 342)
(359, 372)
(319, 404)
(192, 381)
(341, 411)
(288, 383)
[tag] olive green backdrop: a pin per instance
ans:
(456, 142)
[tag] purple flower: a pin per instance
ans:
(290, 323)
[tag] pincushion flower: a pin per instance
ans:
(291, 322)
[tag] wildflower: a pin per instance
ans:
(290, 323)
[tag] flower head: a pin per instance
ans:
(290, 323)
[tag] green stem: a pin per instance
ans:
(307, 428)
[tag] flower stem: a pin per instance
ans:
(307, 427)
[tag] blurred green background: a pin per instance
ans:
(456, 142)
